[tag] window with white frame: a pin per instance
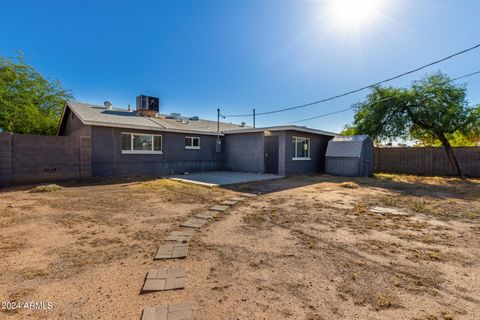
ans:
(192, 143)
(300, 148)
(141, 143)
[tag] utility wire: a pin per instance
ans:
(359, 89)
(381, 100)
(467, 75)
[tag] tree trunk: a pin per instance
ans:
(451, 156)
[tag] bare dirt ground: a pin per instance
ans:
(308, 248)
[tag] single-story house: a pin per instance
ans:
(143, 142)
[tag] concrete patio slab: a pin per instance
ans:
(221, 178)
(172, 251)
(220, 208)
(236, 198)
(193, 223)
(182, 311)
(164, 279)
(206, 215)
(180, 236)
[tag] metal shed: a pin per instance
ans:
(350, 156)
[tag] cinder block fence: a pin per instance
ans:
(429, 161)
(30, 159)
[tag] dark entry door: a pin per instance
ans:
(271, 154)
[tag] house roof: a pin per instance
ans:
(346, 146)
(98, 115)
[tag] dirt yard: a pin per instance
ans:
(307, 248)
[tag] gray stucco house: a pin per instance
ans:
(138, 142)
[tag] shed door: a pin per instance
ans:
(271, 154)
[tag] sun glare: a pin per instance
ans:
(354, 14)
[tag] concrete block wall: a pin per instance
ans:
(28, 159)
(428, 161)
(5, 159)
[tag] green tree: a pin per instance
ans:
(29, 103)
(432, 109)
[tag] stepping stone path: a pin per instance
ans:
(219, 208)
(206, 215)
(175, 278)
(180, 236)
(228, 202)
(164, 279)
(181, 311)
(236, 198)
(392, 211)
(193, 223)
(248, 195)
(172, 251)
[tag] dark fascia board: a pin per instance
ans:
(282, 128)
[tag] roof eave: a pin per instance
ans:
(282, 128)
(62, 117)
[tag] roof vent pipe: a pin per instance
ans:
(108, 105)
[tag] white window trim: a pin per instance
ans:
(143, 151)
(309, 146)
(193, 147)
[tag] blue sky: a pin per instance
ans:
(200, 55)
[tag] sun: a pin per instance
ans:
(354, 14)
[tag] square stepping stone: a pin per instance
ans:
(206, 215)
(182, 311)
(228, 202)
(392, 211)
(220, 208)
(164, 279)
(248, 195)
(193, 223)
(236, 198)
(172, 251)
(180, 236)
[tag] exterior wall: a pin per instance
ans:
(430, 161)
(245, 152)
(343, 166)
(318, 147)
(31, 159)
(73, 126)
(108, 159)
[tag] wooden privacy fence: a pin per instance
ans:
(32, 159)
(428, 161)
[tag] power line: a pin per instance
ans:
(339, 111)
(359, 89)
(381, 100)
(467, 75)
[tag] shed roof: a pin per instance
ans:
(346, 146)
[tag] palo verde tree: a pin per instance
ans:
(29, 103)
(433, 108)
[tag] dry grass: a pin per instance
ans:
(46, 188)
(349, 185)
